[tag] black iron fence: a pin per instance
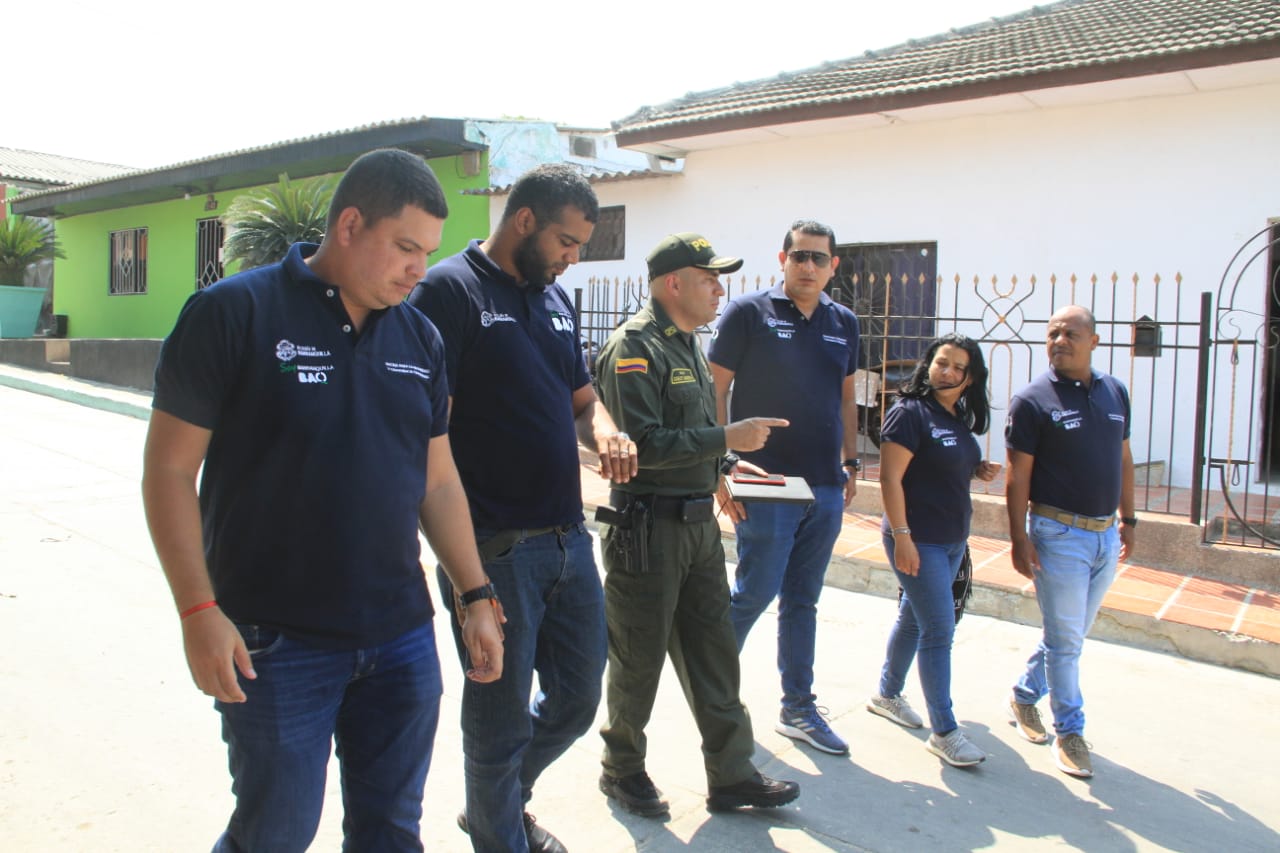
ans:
(1151, 332)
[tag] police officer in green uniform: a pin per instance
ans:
(665, 584)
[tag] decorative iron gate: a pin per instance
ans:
(1241, 423)
(1153, 331)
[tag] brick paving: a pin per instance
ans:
(1163, 594)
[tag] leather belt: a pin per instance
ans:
(502, 541)
(686, 508)
(1092, 523)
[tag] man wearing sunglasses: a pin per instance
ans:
(791, 352)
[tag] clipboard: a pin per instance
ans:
(749, 488)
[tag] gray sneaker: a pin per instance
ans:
(955, 749)
(1071, 754)
(1026, 719)
(895, 708)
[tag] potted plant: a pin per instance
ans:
(23, 241)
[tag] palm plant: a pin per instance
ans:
(263, 224)
(24, 241)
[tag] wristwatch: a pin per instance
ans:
(730, 459)
(855, 464)
(480, 593)
(1128, 521)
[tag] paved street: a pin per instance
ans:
(105, 745)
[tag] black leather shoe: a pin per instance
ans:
(756, 790)
(540, 841)
(635, 793)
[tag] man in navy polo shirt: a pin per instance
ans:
(521, 402)
(316, 402)
(1067, 436)
(791, 352)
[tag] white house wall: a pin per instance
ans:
(1163, 185)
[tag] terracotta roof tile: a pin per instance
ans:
(1075, 34)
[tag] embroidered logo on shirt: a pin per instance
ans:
(561, 322)
(308, 374)
(314, 374)
(943, 436)
(488, 318)
(286, 350)
(682, 376)
(1067, 418)
(784, 334)
(423, 373)
(669, 331)
(632, 365)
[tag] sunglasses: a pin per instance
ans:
(799, 256)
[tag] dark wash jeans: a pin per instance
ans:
(380, 704)
(550, 590)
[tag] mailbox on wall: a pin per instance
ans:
(1146, 338)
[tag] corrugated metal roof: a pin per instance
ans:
(1075, 34)
(17, 164)
(593, 174)
(303, 157)
(227, 155)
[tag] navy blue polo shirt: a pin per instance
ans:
(1076, 433)
(317, 462)
(936, 482)
(514, 363)
(788, 366)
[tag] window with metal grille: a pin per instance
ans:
(892, 287)
(209, 236)
(129, 261)
(609, 240)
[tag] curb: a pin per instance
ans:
(73, 395)
(1206, 645)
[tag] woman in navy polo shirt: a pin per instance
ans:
(928, 454)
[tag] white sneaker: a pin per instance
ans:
(895, 708)
(955, 749)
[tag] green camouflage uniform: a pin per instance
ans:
(657, 386)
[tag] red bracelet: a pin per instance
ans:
(196, 609)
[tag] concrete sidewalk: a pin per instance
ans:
(106, 745)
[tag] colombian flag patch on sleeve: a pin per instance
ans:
(632, 365)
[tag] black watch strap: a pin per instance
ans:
(854, 463)
(730, 459)
(1129, 521)
(480, 593)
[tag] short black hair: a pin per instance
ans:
(814, 229)
(973, 408)
(549, 189)
(383, 183)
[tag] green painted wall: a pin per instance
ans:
(83, 277)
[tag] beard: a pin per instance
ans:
(532, 267)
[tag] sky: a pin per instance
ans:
(148, 83)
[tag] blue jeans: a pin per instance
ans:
(924, 630)
(550, 590)
(1076, 570)
(783, 552)
(380, 704)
